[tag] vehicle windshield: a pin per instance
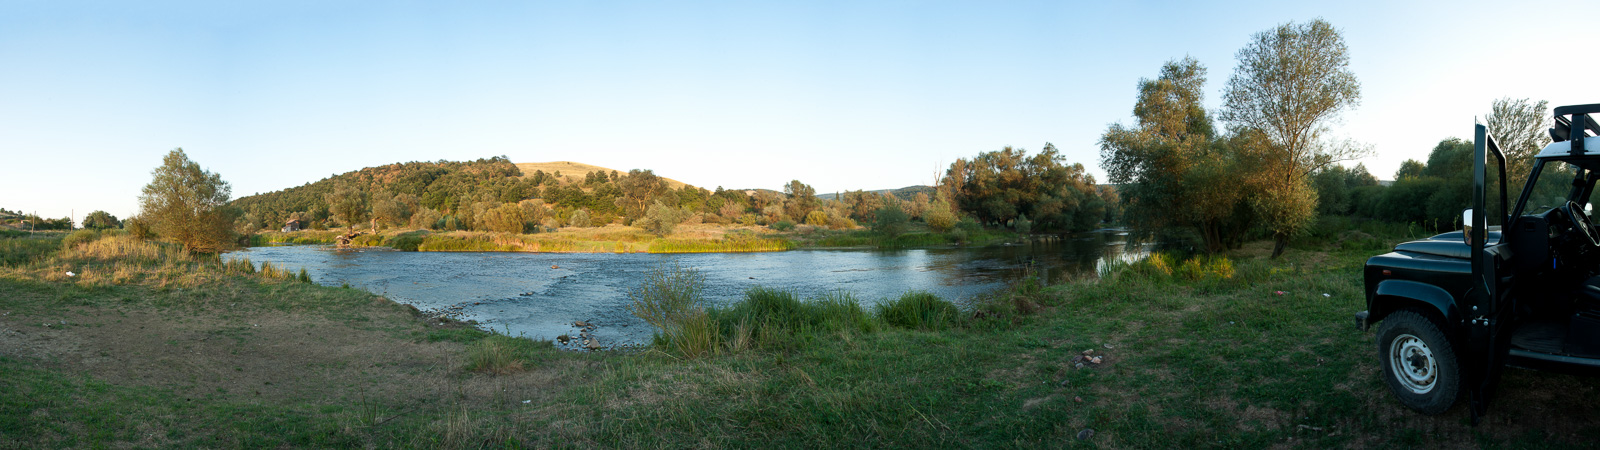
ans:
(1551, 189)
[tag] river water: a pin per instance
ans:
(540, 295)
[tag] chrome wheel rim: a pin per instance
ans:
(1413, 364)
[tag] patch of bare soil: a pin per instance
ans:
(270, 356)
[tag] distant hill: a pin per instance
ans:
(574, 171)
(905, 193)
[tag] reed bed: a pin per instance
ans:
(721, 245)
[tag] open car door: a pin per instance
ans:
(1488, 306)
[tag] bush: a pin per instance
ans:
(406, 241)
(776, 319)
(939, 217)
(783, 225)
(890, 222)
(659, 219)
(79, 237)
(138, 228)
(1022, 225)
(670, 300)
(580, 219)
(817, 218)
(919, 311)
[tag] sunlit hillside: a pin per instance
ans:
(574, 171)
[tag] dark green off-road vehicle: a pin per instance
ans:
(1519, 288)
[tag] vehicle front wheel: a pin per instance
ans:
(1418, 362)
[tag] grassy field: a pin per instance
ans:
(150, 348)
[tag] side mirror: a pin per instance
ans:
(1466, 226)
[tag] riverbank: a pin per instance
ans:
(701, 238)
(143, 347)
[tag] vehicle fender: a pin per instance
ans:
(1395, 295)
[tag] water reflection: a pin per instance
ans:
(541, 294)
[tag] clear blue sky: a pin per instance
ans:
(840, 95)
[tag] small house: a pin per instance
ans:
(293, 225)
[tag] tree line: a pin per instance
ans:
(1263, 163)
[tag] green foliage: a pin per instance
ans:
(919, 311)
(670, 299)
(817, 218)
(734, 243)
(506, 218)
(890, 222)
(504, 355)
(23, 250)
(1173, 171)
(1337, 189)
(783, 225)
(101, 220)
(188, 205)
(998, 186)
(939, 216)
(79, 237)
(660, 219)
(1022, 225)
(409, 242)
(641, 188)
(580, 219)
(1290, 81)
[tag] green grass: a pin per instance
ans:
(21, 250)
(504, 355)
(720, 246)
(1199, 351)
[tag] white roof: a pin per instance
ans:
(1591, 147)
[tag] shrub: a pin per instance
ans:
(659, 219)
(939, 217)
(1022, 225)
(890, 222)
(670, 300)
(817, 218)
(80, 237)
(407, 241)
(783, 225)
(580, 219)
(138, 228)
(919, 311)
(840, 222)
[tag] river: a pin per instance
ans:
(540, 295)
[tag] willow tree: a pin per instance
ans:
(1174, 172)
(1519, 127)
(186, 204)
(1291, 81)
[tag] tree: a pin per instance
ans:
(639, 189)
(939, 216)
(187, 205)
(1519, 127)
(580, 219)
(347, 205)
(100, 220)
(998, 186)
(802, 199)
(1289, 83)
(890, 222)
(391, 210)
(1174, 172)
(506, 218)
(660, 219)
